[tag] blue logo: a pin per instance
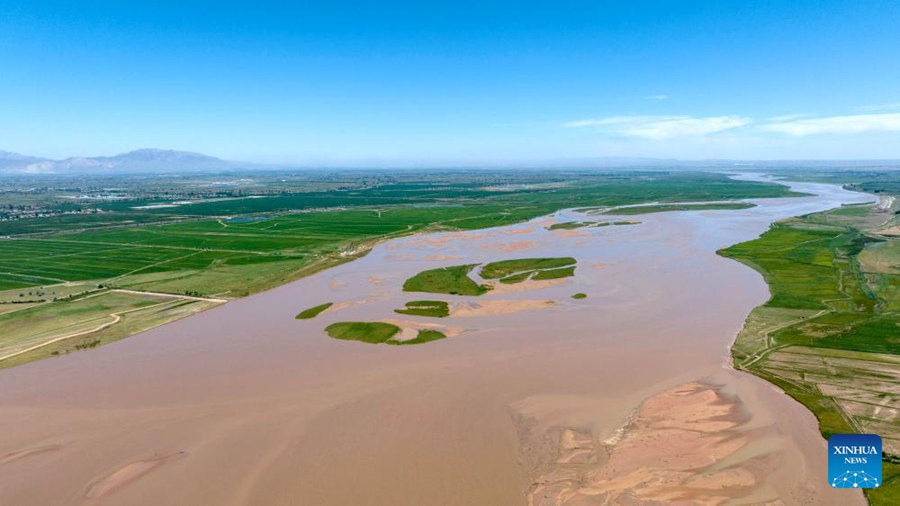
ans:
(854, 461)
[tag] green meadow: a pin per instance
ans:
(432, 308)
(572, 225)
(314, 311)
(455, 280)
(452, 280)
(378, 332)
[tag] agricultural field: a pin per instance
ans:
(206, 239)
(65, 204)
(830, 334)
(48, 329)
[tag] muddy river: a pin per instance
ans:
(535, 398)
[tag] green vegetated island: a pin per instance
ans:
(314, 311)
(661, 208)
(572, 225)
(432, 308)
(92, 259)
(453, 280)
(830, 334)
(378, 332)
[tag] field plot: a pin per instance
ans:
(85, 322)
(830, 334)
(228, 243)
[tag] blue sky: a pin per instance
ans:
(436, 83)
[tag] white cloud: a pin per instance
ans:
(661, 127)
(854, 124)
(657, 97)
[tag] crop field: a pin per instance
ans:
(191, 238)
(141, 201)
(84, 322)
(830, 334)
(298, 239)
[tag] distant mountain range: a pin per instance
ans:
(163, 161)
(133, 162)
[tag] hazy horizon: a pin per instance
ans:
(599, 162)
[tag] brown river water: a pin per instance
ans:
(623, 397)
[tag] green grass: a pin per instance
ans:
(831, 324)
(314, 311)
(579, 296)
(798, 264)
(522, 269)
(432, 308)
(367, 332)
(452, 280)
(888, 494)
(378, 332)
(88, 321)
(424, 336)
(627, 211)
(504, 268)
(571, 225)
(47, 292)
(564, 272)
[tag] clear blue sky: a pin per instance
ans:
(344, 83)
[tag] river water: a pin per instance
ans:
(243, 404)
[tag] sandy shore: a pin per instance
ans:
(691, 444)
(622, 396)
(498, 307)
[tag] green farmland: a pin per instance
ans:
(36, 331)
(830, 334)
(171, 239)
(224, 256)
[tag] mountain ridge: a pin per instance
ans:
(149, 160)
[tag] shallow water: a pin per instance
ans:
(264, 409)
